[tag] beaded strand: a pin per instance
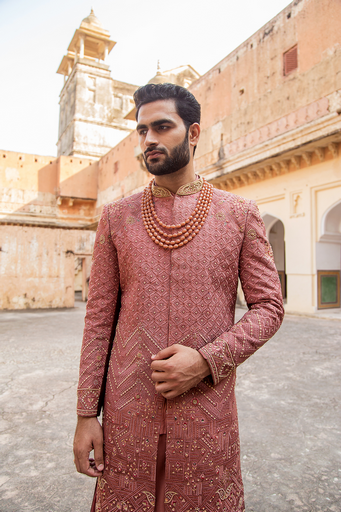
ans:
(191, 226)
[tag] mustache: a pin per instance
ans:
(150, 150)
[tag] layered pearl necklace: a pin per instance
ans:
(191, 226)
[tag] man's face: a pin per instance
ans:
(163, 138)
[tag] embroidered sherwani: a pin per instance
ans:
(184, 296)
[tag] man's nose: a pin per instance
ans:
(151, 139)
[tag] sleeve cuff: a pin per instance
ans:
(219, 364)
(87, 402)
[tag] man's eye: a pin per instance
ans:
(142, 132)
(163, 127)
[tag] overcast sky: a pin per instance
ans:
(35, 34)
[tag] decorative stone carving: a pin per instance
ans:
(296, 160)
(307, 157)
(320, 153)
(333, 148)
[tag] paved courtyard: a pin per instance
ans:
(288, 393)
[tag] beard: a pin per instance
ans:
(178, 158)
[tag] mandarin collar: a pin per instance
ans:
(185, 190)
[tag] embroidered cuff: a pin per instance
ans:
(220, 365)
(87, 402)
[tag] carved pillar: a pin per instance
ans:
(81, 47)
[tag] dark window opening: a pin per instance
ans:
(290, 61)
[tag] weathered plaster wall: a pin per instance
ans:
(77, 177)
(247, 90)
(28, 183)
(271, 103)
(42, 189)
(37, 265)
(120, 171)
(92, 110)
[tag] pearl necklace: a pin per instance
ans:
(191, 226)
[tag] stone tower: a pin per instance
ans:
(92, 104)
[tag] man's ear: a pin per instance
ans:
(194, 134)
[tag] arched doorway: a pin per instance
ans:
(328, 259)
(276, 236)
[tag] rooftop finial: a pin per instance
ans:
(91, 19)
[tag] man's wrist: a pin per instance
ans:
(205, 368)
(84, 418)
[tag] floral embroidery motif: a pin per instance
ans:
(251, 234)
(160, 191)
(268, 250)
(191, 188)
(101, 483)
(224, 493)
(169, 496)
(220, 215)
(130, 220)
(150, 497)
(102, 239)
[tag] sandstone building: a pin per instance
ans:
(271, 131)
(92, 104)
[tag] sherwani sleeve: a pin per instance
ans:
(100, 314)
(262, 290)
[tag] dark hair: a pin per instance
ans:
(187, 106)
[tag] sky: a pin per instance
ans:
(35, 34)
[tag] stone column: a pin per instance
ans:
(105, 52)
(81, 47)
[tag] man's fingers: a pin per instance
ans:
(98, 453)
(165, 353)
(87, 467)
(82, 461)
(88, 436)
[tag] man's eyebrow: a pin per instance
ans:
(140, 127)
(155, 124)
(162, 121)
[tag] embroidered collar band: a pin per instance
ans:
(184, 190)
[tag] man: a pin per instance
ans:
(173, 254)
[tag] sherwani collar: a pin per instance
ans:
(185, 190)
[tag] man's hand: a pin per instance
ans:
(176, 369)
(88, 437)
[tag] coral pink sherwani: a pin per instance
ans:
(184, 296)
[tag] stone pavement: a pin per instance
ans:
(289, 411)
